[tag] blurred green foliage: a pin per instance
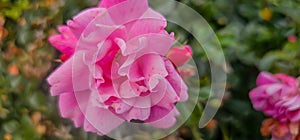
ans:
(256, 36)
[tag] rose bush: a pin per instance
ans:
(116, 67)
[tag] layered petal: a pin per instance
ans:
(265, 78)
(109, 3)
(69, 108)
(103, 120)
(162, 118)
(61, 79)
(81, 21)
(65, 42)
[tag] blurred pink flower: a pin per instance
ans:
(116, 69)
(292, 38)
(184, 52)
(278, 96)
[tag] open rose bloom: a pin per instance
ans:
(278, 96)
(118, 67)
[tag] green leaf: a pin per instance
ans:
(11, 126)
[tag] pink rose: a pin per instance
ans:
(292, 38)
(116, 68)
(278, 96)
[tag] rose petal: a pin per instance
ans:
(147, 66)
(121, 107)
(127, 11)
(129, 90)
(294, 116)
(176, 81)
(109, 3)
(265, 78)
(151, 46)
(61, 79)
(150, 22)
(68, 107)
(137, 114)
(103, 120)
(80, 21)
(162, 118)
(64, 42)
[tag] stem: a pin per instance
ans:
(224, 132)
(196, 133)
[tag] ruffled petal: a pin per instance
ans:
(150, 22)
(65, 42)
(147, 66)
(136, 113)
(109, 3)
(103, 120)
(80, 21)
(68, 107)
(294, 116)
(266, 78)
(162, 118)
(61, 79)
(127, 11)
(176, 81)
(150, 43)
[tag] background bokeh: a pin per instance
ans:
(256, 35)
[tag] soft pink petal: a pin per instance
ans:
(139, 102)
(80, 21)
(151, 46)
(88, 127)
(109, 3)
(150, 22)
(128, 49)
(289, 80)
(61, 79)
(127, 11)
(65, 42)
(160, 92)
(294, 116)
(80, 72)
(273, 89)
(68, 107)
(292, 103)
(147, 66)
(137, 114)
(129, 90)
(162, 118)
(124, 66)
(176, 81)
(106, 91)
(121, 107)
(103, 120)
(266, 78)
(169, 98)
